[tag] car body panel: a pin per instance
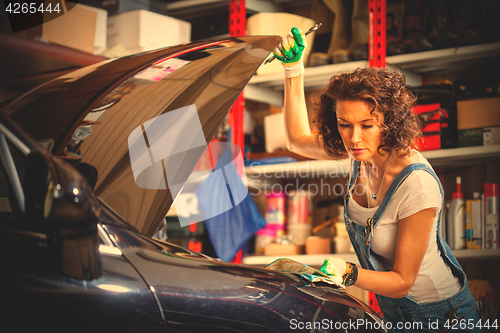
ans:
(114, 98)
(119, 300)
(202, 294)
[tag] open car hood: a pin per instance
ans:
(142, 121)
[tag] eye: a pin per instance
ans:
(343, 125)
(367, 126)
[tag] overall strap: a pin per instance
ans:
(354, 175)
(397, 182)
(358, 234)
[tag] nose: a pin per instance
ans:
(356, 135)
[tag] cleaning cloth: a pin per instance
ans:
(294, 269)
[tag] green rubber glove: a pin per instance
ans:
(340, 268)
(290, 52)
(334, 267)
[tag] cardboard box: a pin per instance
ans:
(279, 24)
(478, 122)
(101, 27)
(118, 6)
(141, 30)
(274, 249)
(75, 29)
(318, 245)
(486, 136)
(478, 113)
(491, 136)
(274, 131)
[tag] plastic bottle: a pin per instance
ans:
(456, 219)
(491, 215)
(341, 239)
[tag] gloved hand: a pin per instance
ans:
(339, 267)
(290, 52)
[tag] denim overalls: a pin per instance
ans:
(405, 313)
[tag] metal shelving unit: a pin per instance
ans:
(454, 156)
(191, 9)
(321, 168)
(311, 168)
(317, 168)
(412, 65)
(317, 260)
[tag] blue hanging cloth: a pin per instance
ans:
(230, 214)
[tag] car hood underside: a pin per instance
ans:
(139, 124)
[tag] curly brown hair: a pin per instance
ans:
(384, 89)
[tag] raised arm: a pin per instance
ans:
(299, 138)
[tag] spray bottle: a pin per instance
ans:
(456, 219)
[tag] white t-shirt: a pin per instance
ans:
(435, 280)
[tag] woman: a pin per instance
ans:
(392, 208)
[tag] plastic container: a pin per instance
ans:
(275, 212)
(275, 221)
(456, 219)
(491, 215)
(299, 232)
(299, 207)
(262, 238)
(343, 244)
(474, 221)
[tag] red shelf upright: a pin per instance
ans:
(377, 33)
(237, 27)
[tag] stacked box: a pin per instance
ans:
(118, 6)
(279, 24)
(479, 122)
(141, 30)
(82, 28)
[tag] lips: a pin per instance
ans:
(357, 151)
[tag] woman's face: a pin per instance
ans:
(360, 130)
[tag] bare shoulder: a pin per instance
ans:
(404, 160)
(401, 161)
